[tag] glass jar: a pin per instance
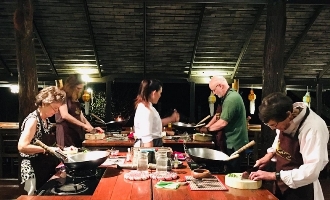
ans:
(161, 162)
(142, 163)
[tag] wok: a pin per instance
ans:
(185, 127)
(85, 160)
(203, 155)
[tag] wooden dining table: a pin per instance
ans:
(113, 186)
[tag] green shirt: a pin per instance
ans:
(233, 112)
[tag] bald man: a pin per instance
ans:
(232, 119)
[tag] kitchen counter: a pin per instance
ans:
(113, 186)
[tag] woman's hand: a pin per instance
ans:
(175, 116)
(88, 127)
(99, 130)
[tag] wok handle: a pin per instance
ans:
(203, 120)
(98, 118)
(243, 148)
(50, 150)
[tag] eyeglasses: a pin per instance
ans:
(215, 88)
(55, 110)
(271, 125)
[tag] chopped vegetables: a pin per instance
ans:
(232, 175)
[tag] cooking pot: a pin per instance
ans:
(85, 160)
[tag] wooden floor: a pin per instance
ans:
(9, 189)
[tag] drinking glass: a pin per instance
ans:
(142, 164)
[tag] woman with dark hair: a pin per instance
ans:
(36, 166)
(71, 124)
(147, 123)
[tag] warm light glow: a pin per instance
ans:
(252, 97)
(14, 89)
(85, 78)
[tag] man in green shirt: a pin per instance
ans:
(232, 119)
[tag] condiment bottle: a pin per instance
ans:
(128, 155)
(176, 161)
(161, 162)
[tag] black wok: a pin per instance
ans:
(185, 126)
(209, 155)
(86, 160)
(82, 160)
(205, 155)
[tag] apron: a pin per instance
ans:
(69, 134)
(288, 157)
(219, 138)
(43, 164)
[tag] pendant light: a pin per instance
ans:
(252, 97)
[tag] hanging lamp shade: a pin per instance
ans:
(211, 100)
(252, 97)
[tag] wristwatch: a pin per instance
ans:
(278, 176)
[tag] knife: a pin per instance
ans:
(253, 169)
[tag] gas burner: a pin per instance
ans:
(82, 173)
(70, 189)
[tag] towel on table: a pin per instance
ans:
(167, 185)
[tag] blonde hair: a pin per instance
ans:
(51, 94)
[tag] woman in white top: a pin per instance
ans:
(147, 122)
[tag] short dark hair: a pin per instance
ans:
(275, 106)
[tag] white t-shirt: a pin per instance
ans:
(147, 123)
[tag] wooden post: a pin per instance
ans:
(26, 62)
(273, 73)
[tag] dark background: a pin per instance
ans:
(174, 96)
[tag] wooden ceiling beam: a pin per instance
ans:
(144, 39)
(42, 44)
(91, 34)
(247, 41)
(4, 65)
(193, 54)
(311, 2)
(303, 35)
(325, 69)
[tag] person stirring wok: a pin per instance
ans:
(299, 148)
(37, 167)
(231, 121)
(147, 122)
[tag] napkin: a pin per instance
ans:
(167, 185)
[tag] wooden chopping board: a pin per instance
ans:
(235, 180)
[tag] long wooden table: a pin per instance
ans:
(113, 186)
(123, 145)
